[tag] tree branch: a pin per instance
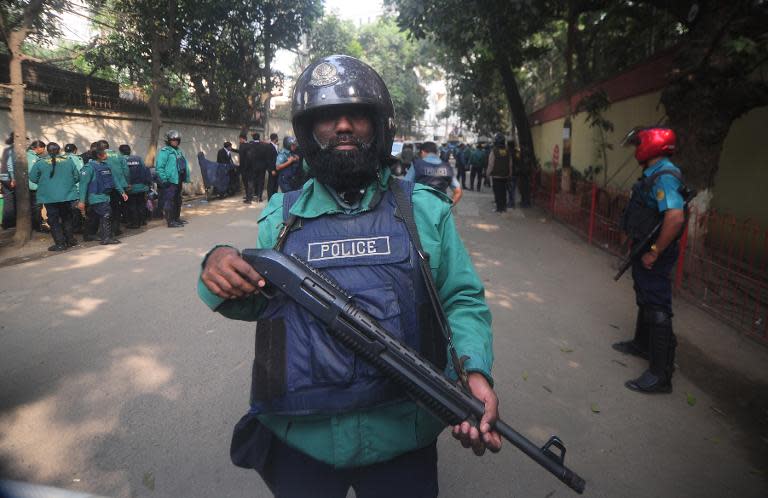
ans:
(32, 12)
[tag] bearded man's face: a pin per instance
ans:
(346, 159)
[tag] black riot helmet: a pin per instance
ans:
(172, 135)
(499, 140)
(288, 141)
(339, 80)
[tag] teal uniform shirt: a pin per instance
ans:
(165, 165)
(8, 155)
(119, 168)
(62, 187)
(378, 434)
(282, 156)
(77, 160)
(86, 177)
(665, 193)
(31, 160)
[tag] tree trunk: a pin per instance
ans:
(154, 100)
(19, 125)
(567, 128)
(517, 108)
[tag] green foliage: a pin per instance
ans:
(333, 35)
(215, 54)
(43, 26)
(595, 104)
(387, 49)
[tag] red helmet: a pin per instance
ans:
(651, 142)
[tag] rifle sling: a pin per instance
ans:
(405, 210)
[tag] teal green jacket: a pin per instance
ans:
(119, 168)
(375, 435)
(62, 187)
(165, 165)
(32, 158)
(87, 176)
(77, 160)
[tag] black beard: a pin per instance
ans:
(344, 170)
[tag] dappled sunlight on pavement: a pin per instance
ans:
(52, 437)
(83, 259)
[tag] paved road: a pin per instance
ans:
(116, 380)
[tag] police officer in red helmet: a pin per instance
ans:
(659, 196)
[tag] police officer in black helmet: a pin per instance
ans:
(321, 421)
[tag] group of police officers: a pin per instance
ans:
(96, 191)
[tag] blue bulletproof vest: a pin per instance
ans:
(640, 216)
(102, 183)
(437, 176)
(299, 369)
(181, 167)
(138, 172)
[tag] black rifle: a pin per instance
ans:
(637, 249)
(363, 335)
(687, 194)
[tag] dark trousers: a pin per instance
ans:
(135, 209)
(511, 188)
(116, 205)
(653, 288)
(258, 182)
(524, 184)
(271, 183)
(248, 178)
(36, 210)
(96, 213)
(172, 201)
(476, 172)
(234, 182)
(291, 474)
(60, 221)
(462, 176)
(500, 194)
(9, 206)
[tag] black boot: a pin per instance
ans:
(59, 241)
(106, 231)
(639, 345)
(69, 232)
(658, 378)
(169, 221)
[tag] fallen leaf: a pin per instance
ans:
(620, 363)
(690, 398)
(594, 408)
(149, 481)
(719, 412)
(525, 375)
(566, 350)
(547, 389)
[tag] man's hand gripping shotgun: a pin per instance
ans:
(362, 334)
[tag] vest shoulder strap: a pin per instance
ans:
(402, 192)
(651, 180)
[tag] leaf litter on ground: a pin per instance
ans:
(149, 480)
